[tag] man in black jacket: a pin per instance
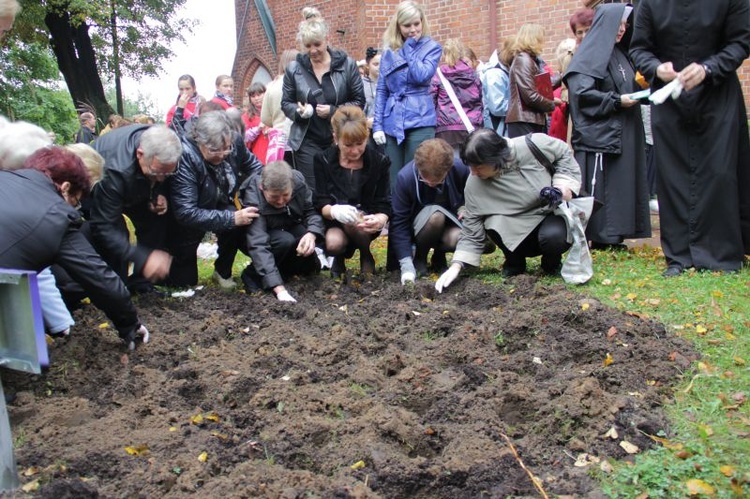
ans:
(281, 241)
(138, 159)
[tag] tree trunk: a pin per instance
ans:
(77, 63)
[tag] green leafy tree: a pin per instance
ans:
(96, 39)
(30, 90)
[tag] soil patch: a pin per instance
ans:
(365, 389)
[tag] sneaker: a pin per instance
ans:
(224, 283)
(654, 205)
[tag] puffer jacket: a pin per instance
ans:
(197, 200)
(468, 89)
(300, 80)
(298, 211)
(403, 100)
(525, 104)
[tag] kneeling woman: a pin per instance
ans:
(352, 190)
(504, 202)
(281, 242)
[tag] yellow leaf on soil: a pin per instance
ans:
(612, 433)
(739, 361)
(358, 465)
(104, 325)
(631, 296)
(608, 360)
(212, 416)
(203, 457)
(31, 471)
(696, 487)
(197, 419)
(666, 443)
(717, 294)
(727, 470)
(700, 329)
(137, 450)
(585, 306)
(629, 448)
(31, 486)
(172, 428)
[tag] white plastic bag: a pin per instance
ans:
(578, 267)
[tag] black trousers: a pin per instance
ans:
(184, 246)
(548, 239)
(283, 245)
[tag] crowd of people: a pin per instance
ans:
(418, 141)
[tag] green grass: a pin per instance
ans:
(710, 417)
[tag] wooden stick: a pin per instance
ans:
(531, 475)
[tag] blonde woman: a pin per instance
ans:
(527, 108)
(404, 110)
(224, 91)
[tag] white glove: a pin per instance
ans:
(448, 277)
(143, 332)
(285, 296)
(344, 213)
(672, 89)
(408, 272)
(308, 112)
(379, 138)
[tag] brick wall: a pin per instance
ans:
(357, 24)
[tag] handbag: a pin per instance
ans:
(454, 100)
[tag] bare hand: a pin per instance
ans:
(160, 206)
(665, 72)
(306, 245)
(567, 194)
(183, 100)
(627, 102)
(157, 265)
(558, 101)
(323, 111)
(245, 216)
(692, 76)
(372, 224)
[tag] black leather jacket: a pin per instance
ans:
(300, 79)
(197, 199)
(40, 229)
(123, 186)
(299, 211)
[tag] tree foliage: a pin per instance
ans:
(81, 33)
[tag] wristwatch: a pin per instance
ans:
(708, 71)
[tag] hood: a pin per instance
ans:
(461, 75)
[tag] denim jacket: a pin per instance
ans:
(403, 99)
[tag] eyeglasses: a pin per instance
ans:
(77, 199)
(223, 151)
(157, 175)
(435, 185)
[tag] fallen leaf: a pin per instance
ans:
(739, 397)
(700, 329)
(726, 470)
(606, 467)
(31, 486)
(31, 471)
(358, 465)
(705, 430)
(608, 360)
(666, 443)
(172, 428)
(606, 282)
(138, 450)
(429, 431)
(203, 457)
(683, 454)
(612, 433)
(650, 382)
(536, 360)
(584, 460)
(631, 296)
(212, 416)
(104, 325)
(629, 448)
(611, 332)
(696, 487)
(229, 373)
(653, 301)
(197, 419)
(737, 487)
(416, 313)
(739, 361)
(585, 306)
(220, 436)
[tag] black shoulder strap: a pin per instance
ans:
(539, 155)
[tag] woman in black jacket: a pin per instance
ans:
(214, 163)
(352, 190)
(315, 85)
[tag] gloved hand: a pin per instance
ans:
(448, 277)
(130, 335)
(285, 296)
(552, 196)
(379, 138)
(308, 112)
(345, 213)
(408, 272)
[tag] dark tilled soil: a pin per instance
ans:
(360, 390)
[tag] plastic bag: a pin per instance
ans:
(276, 144)
(578, 267)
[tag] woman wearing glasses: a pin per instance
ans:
(214, 162)
(352, 190)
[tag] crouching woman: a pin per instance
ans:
(508, 200)
(281, 241)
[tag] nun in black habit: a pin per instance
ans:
(608, 137)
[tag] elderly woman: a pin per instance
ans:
(319, 81)
(281, 241)
(504, 201)
(404, 110)
(214, 163)
(527, 108)
(608, 137)
(40, 227)
(427, 200)
(352, 190)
